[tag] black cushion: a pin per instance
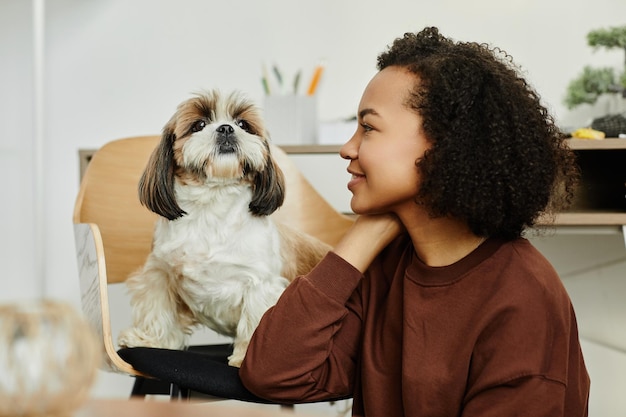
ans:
(203, 369)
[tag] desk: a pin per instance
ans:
(140, 408)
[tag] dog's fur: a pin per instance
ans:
(218, 259)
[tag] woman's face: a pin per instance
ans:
(386, 146)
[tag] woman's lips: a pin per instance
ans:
(355, 179)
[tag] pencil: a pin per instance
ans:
(279, 75)
(315, 80)
(265, 81)
(266, 86)
(296, 82)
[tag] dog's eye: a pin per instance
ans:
(198, 126)
(244, 125)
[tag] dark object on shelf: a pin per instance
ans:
(612, 125)
(602, 184)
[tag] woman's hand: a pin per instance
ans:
(369, 235)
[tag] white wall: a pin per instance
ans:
(16, 156)
(116, 68)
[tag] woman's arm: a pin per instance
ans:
(368, 236)
(306, 346)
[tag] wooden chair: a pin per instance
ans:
(113, 234)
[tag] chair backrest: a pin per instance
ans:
(304, 208)
(108, 197)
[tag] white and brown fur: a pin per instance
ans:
(218, 258)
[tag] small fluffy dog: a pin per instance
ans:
(218, 259)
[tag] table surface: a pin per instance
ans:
(160, 408)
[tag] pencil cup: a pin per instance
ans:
(291, 119)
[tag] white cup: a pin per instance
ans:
(291, 119)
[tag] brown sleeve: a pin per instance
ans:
(305, 347)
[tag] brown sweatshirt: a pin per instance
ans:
(493, 334)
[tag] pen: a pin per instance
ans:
(279, 76)
(266, 86)
(296, 82)
(265, 82)
(315, 80)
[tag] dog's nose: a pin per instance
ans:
(225, 129)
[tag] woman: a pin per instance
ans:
(433, 304)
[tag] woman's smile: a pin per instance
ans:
(355, 179)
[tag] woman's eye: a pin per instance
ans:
(198, 126)
(366, 127)
(244, 125)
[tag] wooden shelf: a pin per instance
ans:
(593, 144)
(588, 218)
(574, 144)
(311, 149)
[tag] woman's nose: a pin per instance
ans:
(350, 149)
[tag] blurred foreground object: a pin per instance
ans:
(48, 359)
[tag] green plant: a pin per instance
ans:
(593, 82)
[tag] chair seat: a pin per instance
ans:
(217, 352)
(203, 369)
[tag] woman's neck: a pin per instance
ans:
(441, 241)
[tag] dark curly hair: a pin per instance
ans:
(497, 159)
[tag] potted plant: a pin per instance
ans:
(593, 82)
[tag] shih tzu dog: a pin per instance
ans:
(218, 259)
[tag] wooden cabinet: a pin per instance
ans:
(601, 195)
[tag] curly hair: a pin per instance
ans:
(497, 160)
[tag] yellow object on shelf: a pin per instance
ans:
(588, 133)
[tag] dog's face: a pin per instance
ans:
(213, 139)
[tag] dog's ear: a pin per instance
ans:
(156, 187)
(268, 188)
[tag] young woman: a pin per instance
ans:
(433, 304)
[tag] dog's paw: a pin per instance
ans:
(135, 337)
(235, 360)
(239, 352)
